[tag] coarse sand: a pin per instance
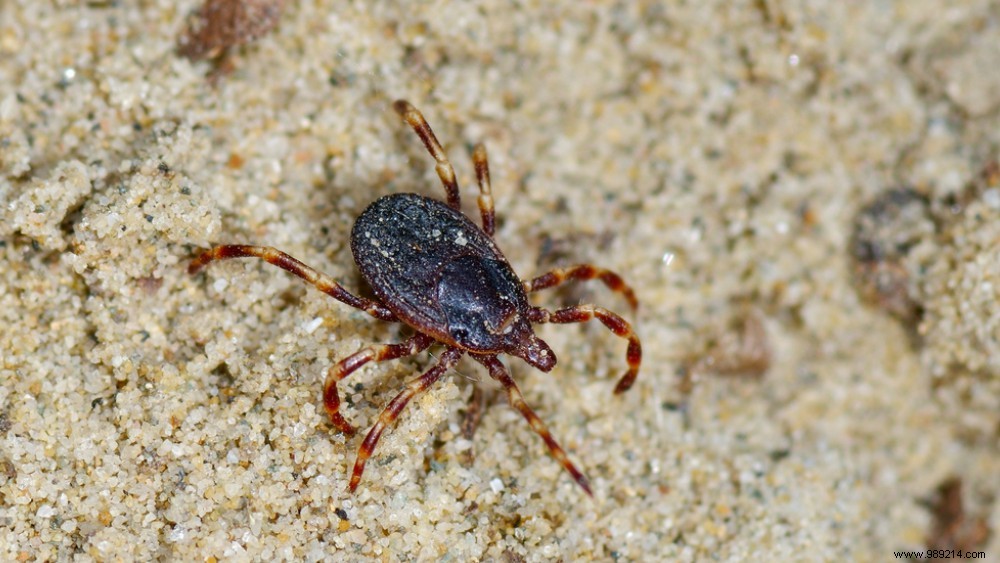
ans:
(716, 154)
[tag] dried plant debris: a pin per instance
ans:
(738, 347)
(884, 233)
(953, 529)
(222, 24)
(960, 285)
(888, 271)
(931, 263)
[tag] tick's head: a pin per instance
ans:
(486, 310)
(514, 336)
(527, 346)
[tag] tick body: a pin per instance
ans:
(433, 269)
(439, 273)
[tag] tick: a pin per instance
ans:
(433, 269)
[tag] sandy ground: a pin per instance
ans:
(715, 154)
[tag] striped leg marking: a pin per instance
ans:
(317, 279)
(389, 415)
(485, 192)
(616, 324)
(583, 272)
(500, 373)
(331, 398)
(415, 119)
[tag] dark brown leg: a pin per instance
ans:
(485, 192)
(616, 324)
(500, 373)
(396, 406)
(317, 279)
(470, 422)
(331, 399)
(444, 170)
(473, 412)
(583, 272)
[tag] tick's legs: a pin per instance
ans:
(473, 412)
(616, 324)
(444, 170)
(485, 193)
(500, 373)
(317, 279)
(331, 399)
(391, 412)
(559, 276)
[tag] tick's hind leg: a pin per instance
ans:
(615, 323)
(560, 276)
(389, 415)
(317, 279)
(331, 399)
(485, 192)
(416, 120)
(500, 373)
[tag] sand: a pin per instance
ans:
(715, 154)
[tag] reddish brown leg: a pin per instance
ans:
(616, 324)
(444, 170)
(485, 192)
(331, 399)
(396, 406)
(583, 272)
(317, 279)
(500, 373)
